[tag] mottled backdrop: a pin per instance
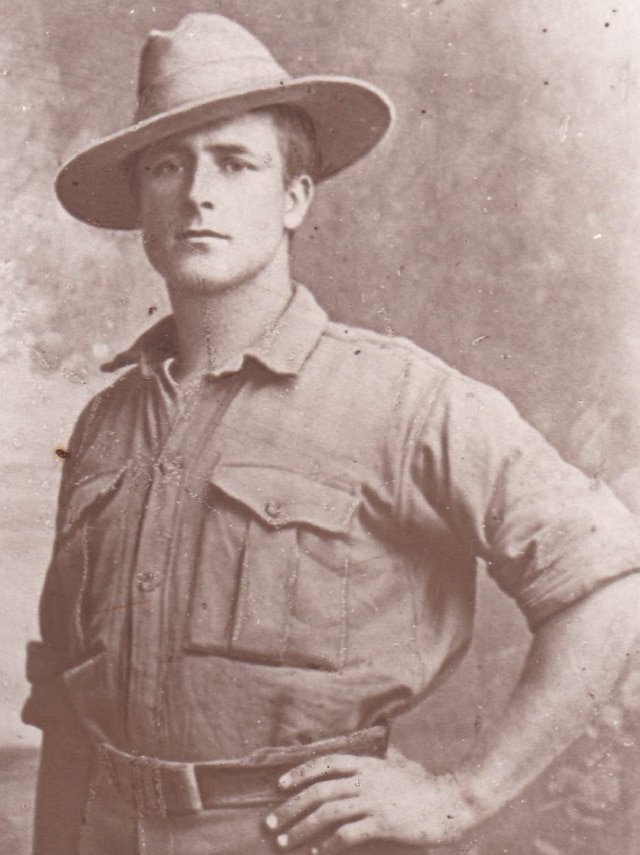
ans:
(497, 226)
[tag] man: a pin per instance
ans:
(269, 525)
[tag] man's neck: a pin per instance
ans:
(215, 326)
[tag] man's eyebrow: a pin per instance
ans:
(216, 149)
(177, 145)
(161, 149)
(229, 148)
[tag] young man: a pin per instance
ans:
(269, 525)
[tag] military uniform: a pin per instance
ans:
(285, 555)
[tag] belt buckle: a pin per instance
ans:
(178, 787)
(155, 787)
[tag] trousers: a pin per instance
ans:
(113, 826)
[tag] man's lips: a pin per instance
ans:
(201, 234)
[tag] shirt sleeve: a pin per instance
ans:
(548, 534)
(48, 703)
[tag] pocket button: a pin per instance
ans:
(148, 581)
(273, 509)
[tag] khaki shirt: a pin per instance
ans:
(288, 553)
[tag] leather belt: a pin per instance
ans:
(162, 787)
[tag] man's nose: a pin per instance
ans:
(202, 187)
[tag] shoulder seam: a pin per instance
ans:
(399, 344)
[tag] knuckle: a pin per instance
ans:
(286, 809)
(346, 835)
(297, 775)
(292, 806)
(317, 823)
(326, 812)
(325, 790)
(304, 801)
(325, 765)
(319, 793)
(311, 797)
(310, 826)
(300, 772)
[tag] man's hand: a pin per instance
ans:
(342, 801)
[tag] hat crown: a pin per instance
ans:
(205, 56)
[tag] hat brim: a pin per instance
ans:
(349, 115)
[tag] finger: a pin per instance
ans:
(352, 834)
(320, 822)
(330, 766)
(311, 798)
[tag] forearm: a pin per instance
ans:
(572, 666)
(66, 768)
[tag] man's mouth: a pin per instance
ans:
(189, 235)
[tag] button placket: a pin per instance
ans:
(154, 627)
(154, 557)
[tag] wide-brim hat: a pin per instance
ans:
(210, 68)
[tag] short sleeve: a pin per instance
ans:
(548, 534)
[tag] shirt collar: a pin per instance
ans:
(283, 348)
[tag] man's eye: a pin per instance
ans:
(165, 168)
(232, 166)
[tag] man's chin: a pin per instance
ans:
(201, 282)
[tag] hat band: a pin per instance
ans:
(208, 81)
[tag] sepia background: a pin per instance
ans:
(497, 226)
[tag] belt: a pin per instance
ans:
(162, 787)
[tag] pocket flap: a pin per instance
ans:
(88, 491)
(281, 497)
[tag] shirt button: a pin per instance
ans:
(273, 509)
(169, 464)
(148, 581)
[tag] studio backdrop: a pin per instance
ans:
(497, 225)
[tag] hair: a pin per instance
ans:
(297, 140)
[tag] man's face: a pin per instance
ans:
(214, 209)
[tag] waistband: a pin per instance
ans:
(161, 787)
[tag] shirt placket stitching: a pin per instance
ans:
(187, 406)
(243, 594)
(147, 622)
(84, 544)
(290, 595)
(165, 639)
(344, 613)
(207, 454)
(153, 632)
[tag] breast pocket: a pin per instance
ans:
(87, 497)
(284, 602)
(89, 542)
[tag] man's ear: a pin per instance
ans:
(298, 198)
